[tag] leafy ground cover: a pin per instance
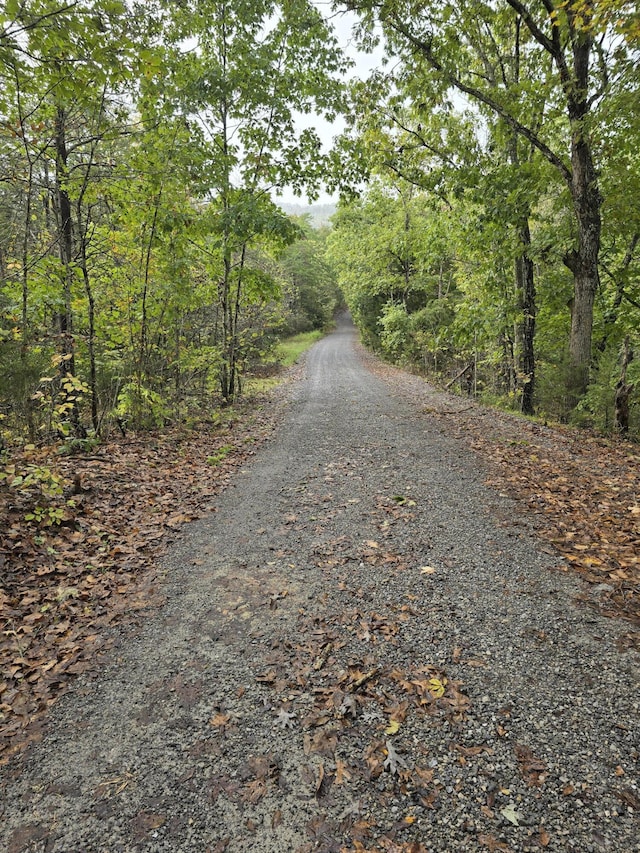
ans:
(81, 537)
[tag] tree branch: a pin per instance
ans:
(541, 37)
(551, 45)
(425, 48)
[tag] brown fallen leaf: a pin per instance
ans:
(493, 844)
(533, 770)
(473, 750)
(145, 822)
(321, 743)
(342, 774)
(254, 791)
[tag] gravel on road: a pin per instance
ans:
(364, 648)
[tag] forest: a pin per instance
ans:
(487, 233)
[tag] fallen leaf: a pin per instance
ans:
(254, 791)
(285, 718)
(219, 720)
(492, 844)
(437, 687)
(509, 813)
(342, 774)
(394, 760)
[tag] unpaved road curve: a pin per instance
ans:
(363, 649)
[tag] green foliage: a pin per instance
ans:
(220, 455)
(311, 289)
(597, 407)
(160, 283)
(141, 407)
(38, 488)
(290, 349)
(78, 446)
(58, 398)
(539, 162)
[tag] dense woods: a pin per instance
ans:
(488, 232)
(144, 265)
(498, 244)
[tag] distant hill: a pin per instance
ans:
(318, 213)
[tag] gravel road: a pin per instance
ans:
(364, 649)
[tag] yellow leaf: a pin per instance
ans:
(436, 687)
(427, 570)
(591, 561)
(392, 728)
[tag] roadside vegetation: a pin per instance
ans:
(497, 247)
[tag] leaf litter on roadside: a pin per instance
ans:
(83, 560)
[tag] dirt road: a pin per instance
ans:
(363, 649)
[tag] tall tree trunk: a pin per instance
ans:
(65, 239)
(146, 279)
(226, 387)
(586, 198)
(65, 245)
(91, 338)
(24, 341)
(583, 263)
(527, 290)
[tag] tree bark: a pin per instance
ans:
(65, 245)
(526, 288)
(583, 261)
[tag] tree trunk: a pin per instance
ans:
(65, 239)
(623, 392)
(583, 263)
(527, 290)
(91, 338)
(65, 242)
(587, 202)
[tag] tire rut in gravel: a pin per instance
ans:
(363, 649)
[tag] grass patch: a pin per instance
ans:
(260, 384)
(289, 350)
(286, 353)
(221, 455)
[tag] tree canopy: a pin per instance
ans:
(489, 230)
(519, 117)
(140, 147)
